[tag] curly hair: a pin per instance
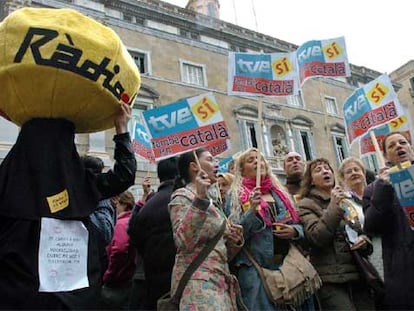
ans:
(306, 183)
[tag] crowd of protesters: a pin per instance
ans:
(140, 250)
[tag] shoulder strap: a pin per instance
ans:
(197, 262)
(249, 255)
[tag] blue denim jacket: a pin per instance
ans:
(259, 239)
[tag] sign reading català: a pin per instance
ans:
(323, 58)
(369, 107)
(273, 74)
(186, 125)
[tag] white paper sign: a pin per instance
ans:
(63, 255)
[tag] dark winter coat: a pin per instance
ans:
(151, 233)
(385, 217)
(44, 161)
(324, 228)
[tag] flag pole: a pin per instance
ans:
(378, 152)
(259, 139)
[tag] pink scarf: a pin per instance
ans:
(266, 186)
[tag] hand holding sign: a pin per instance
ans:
(403, 183)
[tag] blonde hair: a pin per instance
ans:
(237, 186)
(341, 170)
(228, 177)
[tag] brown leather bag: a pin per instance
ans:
(295, 281)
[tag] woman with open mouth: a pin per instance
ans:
(385, 216)
(324, 224)
(197, 221)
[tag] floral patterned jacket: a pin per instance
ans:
(192, 229)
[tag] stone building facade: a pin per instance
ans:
(182, 53)
(404, 75)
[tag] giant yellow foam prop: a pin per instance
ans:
(58, 63)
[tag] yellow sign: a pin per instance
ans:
(397, 123)
(58, 63)
(205, 109)
(58, 201)
(282, 67)
(377, 93)
(399, 167)
(332, 50)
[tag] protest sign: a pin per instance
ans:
(269, 74)
(403, 182)
(63, 255)
(141, 143)
(323, 58)
(369, 107)
(186, 125)
(224, 165)
(400, 124)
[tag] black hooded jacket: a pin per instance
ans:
(384, 216)
(43, 163)
(151, 233)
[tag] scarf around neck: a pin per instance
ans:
(266, 186)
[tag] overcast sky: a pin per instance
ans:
(378, 34)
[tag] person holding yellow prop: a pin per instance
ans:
(61, 73)
(385, 216)
(62, 64)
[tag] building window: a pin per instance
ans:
(211, 10)
(97, 142)
(185, 33)
(341, 147)
(252, 134)
(304, 143)
(304, 136)
(371, 162)
(295, 100)
(236, 48)
(331, 107)
(162, 27)
(8, 132)
(142, 60)
(248, 135)
(412, 83)
(193, 73)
